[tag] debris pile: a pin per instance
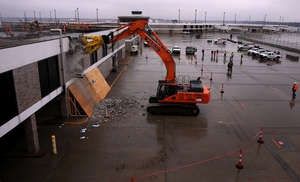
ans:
(117, 109)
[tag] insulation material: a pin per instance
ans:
(90, 90)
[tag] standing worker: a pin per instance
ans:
(242, 56)
(229, 65)
(295, 87)
(232, 54)
(225, 54)
(202, 52)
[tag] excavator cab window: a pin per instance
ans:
(166, 91)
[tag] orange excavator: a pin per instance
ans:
(173, 96)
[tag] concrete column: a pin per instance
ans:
(64, 107)
(32, 139)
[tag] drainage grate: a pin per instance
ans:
(281, 143)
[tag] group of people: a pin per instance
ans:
(230, 65)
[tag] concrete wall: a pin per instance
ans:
(19, 56)
(105, 67)
(27, 86)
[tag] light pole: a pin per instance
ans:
(224, 19)
(34, 15)
(50, 16)
(25, 16)
(279, 20)
(179, 15)
(234, 18)
(265, 19)
(97, 14)
(75, 14)
(78, 14)
(195, 14)
(205, 18)
(55, 16)
(40, 17)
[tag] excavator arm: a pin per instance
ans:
(140, 27)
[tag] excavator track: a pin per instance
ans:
(173, 109)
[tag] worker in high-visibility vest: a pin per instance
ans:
(242, 56)
(294, 89)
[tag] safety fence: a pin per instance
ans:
(238, 165)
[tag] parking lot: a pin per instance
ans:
(132, 144)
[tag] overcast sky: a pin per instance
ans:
(166, 9)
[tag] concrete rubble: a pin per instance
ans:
(118, 108)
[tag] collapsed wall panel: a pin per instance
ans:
(98, 83)
(90, 90)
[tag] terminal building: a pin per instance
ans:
(53, 78)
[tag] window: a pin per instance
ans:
(8, 106)
(49, 75)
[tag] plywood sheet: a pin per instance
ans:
(90, 90)
(98, 83)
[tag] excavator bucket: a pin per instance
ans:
(91, 46)
(84, 40)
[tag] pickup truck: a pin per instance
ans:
(259, 52)
(190, 50)
(252, 50)
(220, 41)
(245, 47)
(270, 55)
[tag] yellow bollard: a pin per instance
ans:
(54, 144)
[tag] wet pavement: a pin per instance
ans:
(131, 143)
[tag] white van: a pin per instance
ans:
(134, 49)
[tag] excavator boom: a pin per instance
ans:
(138, 27)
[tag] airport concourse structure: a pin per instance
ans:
(53, 79)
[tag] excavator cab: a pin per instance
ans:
(165, 90)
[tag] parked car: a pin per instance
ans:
(245, 47)
(186, 33)
(190, 50)
(270, 55)
(134, 49)
(251, 50)
(220, 41)
(176, 50)
(209, 39)
(260, 52)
